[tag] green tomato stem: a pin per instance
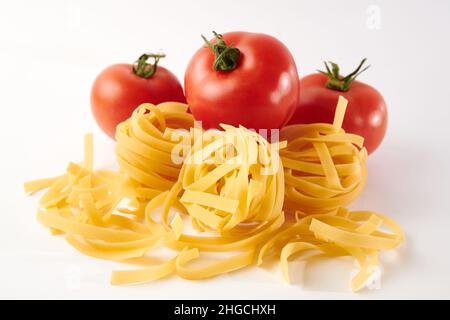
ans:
(226, 56)
(145, 70)
(336, 81)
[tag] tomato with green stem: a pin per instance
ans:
(121, 88)
(242, 78)
(366, 113)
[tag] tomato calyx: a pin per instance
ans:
(336, 81)
(145, 70)
(226, 57)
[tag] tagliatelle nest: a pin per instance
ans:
(146, 141)
(325, 167)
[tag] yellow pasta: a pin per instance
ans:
(145, 143)
(341, 233)
(92, 208)
(325, 168)
(231, 186)
(217, 191)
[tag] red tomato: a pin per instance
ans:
(242, 78)
(366, 113)
(120, 88)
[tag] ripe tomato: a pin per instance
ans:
(366, 113)
(242, 78)
(120, 88)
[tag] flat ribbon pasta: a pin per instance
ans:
(232, 186)
(341, 233)
(325, 167)
(146, 142)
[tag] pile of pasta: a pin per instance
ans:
(145, 143)
(325, 167)
(231, 202)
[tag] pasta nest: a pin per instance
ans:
(146, 141)
(324, 167)
(231, 184)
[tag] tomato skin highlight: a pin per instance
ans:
(366, 112)
(261, 93)
(117, 91)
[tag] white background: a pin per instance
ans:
(51, 51)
